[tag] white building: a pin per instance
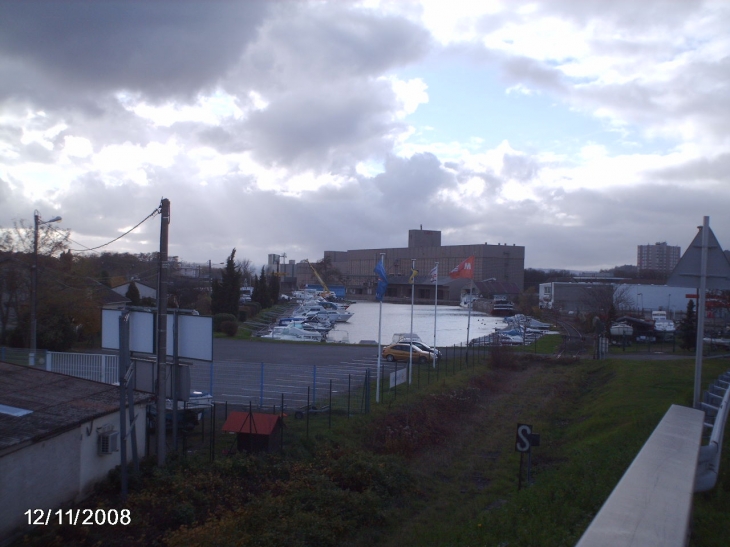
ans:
(57, 439)
(570, 297)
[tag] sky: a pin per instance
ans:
(578, 130)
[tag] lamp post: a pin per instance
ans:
(34, 283)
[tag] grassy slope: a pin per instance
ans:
(457, 437)
(593, 418)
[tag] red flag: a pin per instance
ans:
(465, 269)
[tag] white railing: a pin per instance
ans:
(716, 406)
(92, 366)
(652, 503)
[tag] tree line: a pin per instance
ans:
(72, 287)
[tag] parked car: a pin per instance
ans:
(401, 351)
(424, 347)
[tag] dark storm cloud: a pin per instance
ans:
(308, 128)
(318, 68)
(715, 168)
(161, 49)
(319, 43)
(409, 183)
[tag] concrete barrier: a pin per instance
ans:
(652, 503)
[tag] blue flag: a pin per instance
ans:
(382, 281)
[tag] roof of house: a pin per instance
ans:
(490, 288)
(57, 403)
(262, 424)
(125, 286)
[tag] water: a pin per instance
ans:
(451, 323)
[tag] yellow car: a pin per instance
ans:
(401, 352)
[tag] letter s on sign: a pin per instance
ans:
(522, 443)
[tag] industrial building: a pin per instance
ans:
(659, 257)
(495, 262)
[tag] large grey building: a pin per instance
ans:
(659, 257)
(500, 262)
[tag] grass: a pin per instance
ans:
(593, 417)
(436, 465)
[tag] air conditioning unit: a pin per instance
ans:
(107, 442)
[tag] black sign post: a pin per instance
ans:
(525, 439)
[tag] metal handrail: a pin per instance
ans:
(708, 466)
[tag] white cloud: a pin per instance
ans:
(260, 114)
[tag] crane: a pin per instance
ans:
(326, 292)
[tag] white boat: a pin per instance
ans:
(406, 337)
(293, 334)
(661, 323)
(621, 329)
(332, 315)
(338, 337)
(307, 323)
(501, 306)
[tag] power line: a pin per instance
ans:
(87, 249)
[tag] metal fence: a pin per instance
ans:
(269, 385)
(91, 366)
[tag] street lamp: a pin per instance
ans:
(34, 283)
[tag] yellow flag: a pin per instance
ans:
(412, 280)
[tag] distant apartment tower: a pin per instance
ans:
(659, 257)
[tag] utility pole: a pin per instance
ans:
(34, 285)
(160, 427)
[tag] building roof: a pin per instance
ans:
(687, 271)
(57, 403)
(490, 288)
(262, 424)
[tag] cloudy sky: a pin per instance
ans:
(577, 129)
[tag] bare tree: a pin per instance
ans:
(248, 271)
(18, 256)
(605, 301)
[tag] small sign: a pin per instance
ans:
(523, 438)
(398, 377)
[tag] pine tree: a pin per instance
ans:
(274, 288)
(227, 292)
(264, 296)
(133, 294)
(688, 327)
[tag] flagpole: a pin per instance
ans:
(380, 350)
(435, 309)
(468, 321)
(410, 343)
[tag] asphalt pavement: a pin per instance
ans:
(295, 353)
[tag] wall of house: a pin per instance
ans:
(94, 467)
(57, 471)
(40, 476)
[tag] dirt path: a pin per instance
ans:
(470, 469)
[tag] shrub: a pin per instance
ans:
(220, 318)
(502, 357)
(229, 327)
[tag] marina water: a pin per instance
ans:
(451, 323)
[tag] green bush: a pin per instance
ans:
(229, 327)
(250, 308)
(220, 318)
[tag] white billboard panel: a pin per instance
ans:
(195, 338)
(141, 330)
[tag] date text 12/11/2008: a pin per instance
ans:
(79, 517)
